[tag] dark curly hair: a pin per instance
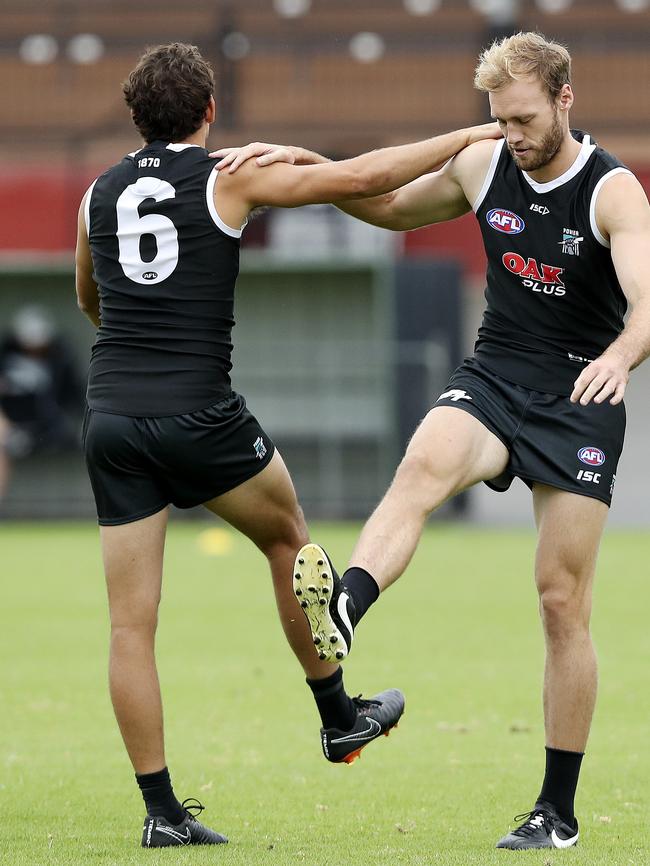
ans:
(169, 91)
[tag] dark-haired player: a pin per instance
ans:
(566, 229)
(157, 261)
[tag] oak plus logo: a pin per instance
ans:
(505, 221)
(536, 276)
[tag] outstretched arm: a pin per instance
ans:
(363, 177)
(436, 197)
(623, 216)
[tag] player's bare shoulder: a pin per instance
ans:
(470, 167)
(232, 198)
(620, 203)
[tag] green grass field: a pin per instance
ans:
(242, 731)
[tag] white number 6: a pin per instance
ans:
(131, 226)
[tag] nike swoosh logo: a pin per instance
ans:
(563, 843)
(372, 730)
(183, 838)
(342, 608)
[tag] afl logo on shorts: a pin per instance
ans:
(149, 275)
(505, 221)
(591, 456)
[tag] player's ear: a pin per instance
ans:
(211, 111)
(565, 98)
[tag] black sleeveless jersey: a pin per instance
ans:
(554, 302)
(166, 266)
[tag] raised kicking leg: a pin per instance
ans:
(450, 451)
(133, 557)
(265, 509)
(570, 527)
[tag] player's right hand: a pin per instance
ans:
(604, 378)
(263, 153)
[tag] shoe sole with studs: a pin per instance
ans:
(313, 586)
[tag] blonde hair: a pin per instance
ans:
(518, 56)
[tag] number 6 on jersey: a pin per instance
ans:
(131, 227)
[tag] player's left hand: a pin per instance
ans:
(604, 378)
(233, 157)
(484, 131)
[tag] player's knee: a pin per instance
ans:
(564, 609)
(133, 623)
(422, 482)
(132, 641)
(289, 536)
(300, 531)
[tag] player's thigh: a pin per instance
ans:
(452, 448)
(570, 527)
(133, 561)
(118, 452)
(264, 507)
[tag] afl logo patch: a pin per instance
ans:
(591, 456)
(149, 275)
(505, 221)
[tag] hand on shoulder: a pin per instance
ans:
(470, 167)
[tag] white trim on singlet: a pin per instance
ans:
(135, 152)
(209, 198)
(178, 147)
(489, 177)
(89, 192)
(592, 204)
(579, 163)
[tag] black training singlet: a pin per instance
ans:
(166, 266)
(554, 302)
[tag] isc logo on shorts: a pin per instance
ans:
(591, 456)
(588, 475)
(505, 221)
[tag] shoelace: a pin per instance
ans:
(365, 703)
(533, 820)
(193, 807)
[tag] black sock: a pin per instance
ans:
(561, 781)
(335, 707)
(159, 796)
(362, 589)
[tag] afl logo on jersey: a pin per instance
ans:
(149, 275)
(591, 456)
(505, 221)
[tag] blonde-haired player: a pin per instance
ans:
(566, 229)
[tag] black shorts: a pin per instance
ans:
(138, 466)
(550, 439)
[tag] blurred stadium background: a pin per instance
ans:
(392, 314)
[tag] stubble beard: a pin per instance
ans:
(545, 152)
